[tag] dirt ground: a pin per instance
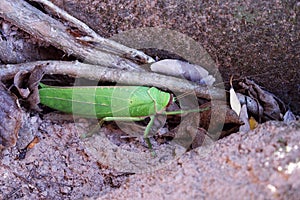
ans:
(252, 39)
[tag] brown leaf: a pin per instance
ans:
(36, 76)
(253, 106)
(27, 83)
(272, 105)
(11, 119)
(185, 133)
(33, 83)
(219, 119)
(199, 138)
(19, 79)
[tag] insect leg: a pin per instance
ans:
(176, 112)
(89, 134)
(153, 99)
(100, 123)
(147, 130)
(107, 119)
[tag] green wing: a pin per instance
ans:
(100, 102)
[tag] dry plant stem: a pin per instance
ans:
(77, 69)
(45, 28)
(105, 44)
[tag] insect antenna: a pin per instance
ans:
(183, 95)
(248, 76)
(178, 97)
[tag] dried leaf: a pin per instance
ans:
(183, 69)
(199, 138)
(234, 101)
(186, 131)
(224, 119)
(253, 123)
(253, 106)
(19, 80)
(36, 76)
(33, 82)
(272, 106)
(27, 83)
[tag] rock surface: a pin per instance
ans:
(260, 164)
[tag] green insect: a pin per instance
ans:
(111, 103)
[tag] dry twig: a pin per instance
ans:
(98, 50)
(77, 69)
(103, 43)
